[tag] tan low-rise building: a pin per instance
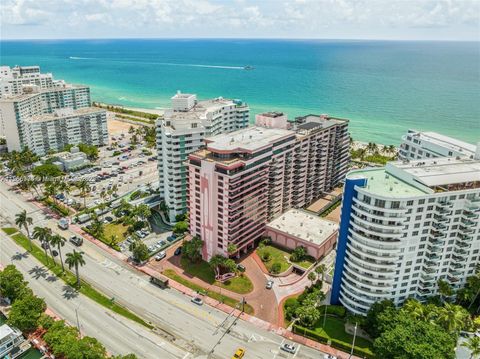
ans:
(296, 228)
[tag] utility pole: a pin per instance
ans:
(78, 322)
(353, 341)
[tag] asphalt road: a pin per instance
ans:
(196, 329)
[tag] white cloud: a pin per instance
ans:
(240, 18)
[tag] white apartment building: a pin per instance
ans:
(53, 131)
(405, 226)
(15, 109)
(182, 130)
(418, 145)
(13, 80)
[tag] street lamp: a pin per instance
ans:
(78, 322)
(353, 341)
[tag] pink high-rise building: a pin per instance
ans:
(242, 180)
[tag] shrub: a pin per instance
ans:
(266, 256)
(276, 267)
(290, 306)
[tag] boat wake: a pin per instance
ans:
(162, 63)
(80, 58)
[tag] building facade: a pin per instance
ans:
(181, 131)
(52, 132)
(13, 80)
(244, 179)
(418, 145)
(404, 227)
(60, 114)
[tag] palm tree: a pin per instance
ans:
(74, 260)
(473, 344)
(320, 270)
(43, 235)
(84, 188)
(23, 220)
(416, 309)
(216, 262)
(58, 241)
(452, 317)
(311, 277)
(445, 289)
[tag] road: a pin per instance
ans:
(196, 329)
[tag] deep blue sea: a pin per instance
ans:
(384, 88)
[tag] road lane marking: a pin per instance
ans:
(296, 352)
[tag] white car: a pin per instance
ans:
(289, 348)
(160, 255)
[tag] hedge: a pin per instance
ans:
(320, 337)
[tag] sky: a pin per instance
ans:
(314, 19)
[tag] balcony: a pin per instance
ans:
(466, 230)
(427, 278)
(441, 218)
(439, 226)
(438, 235)
(458, 258)
(457, 265)
(462, 245)
(465, 238)
(433, 257)
(425, 291)
(469, 214)
(426, 285)
(468, 222)
(429, 269)
(435, 249)
(460, 251)
(452, 279)
(445, 204)
(455, 272)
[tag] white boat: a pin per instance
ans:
(12, 342)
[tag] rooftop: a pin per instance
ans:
(441, 171)
(272, 114)
(248, 139)
(304, 225)
(64, 114)
(37, 91)
(444, 141)
(381, 183)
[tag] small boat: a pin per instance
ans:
(248, 67)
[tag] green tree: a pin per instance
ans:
(320, 270)
(307, 315)
(90, 150)
(140, 252)
(142, 212)
(97, 228)
(445, 289)
(58, 241)
(298, 254)
(43, 234)
(453, 318)
(311, 277)
(84, 188)
(191, 249)
(216, 262)
(12, 283)
(25, 312)
(275, 268)
(408, 338)
(46, 171)
(180, 227)
(232, 248)
(75, 260)
(473, 345)
(23, 220)
(373, 325)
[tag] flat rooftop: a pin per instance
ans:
(441, 171)
(381, 183)
(445, 141)
(272, 114)
(248, 139)
(56, 116)
(304, 225)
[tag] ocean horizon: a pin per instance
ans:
(383, 87)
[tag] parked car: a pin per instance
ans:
(197, 301)
(289, 348)
(241, 267)
(269, 284)
(160, 255)
(170, 238)
(178, 251)
(78, 241)
(329, 356)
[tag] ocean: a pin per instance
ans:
(383, 87)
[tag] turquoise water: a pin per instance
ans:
(383, 87)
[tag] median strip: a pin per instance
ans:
(70, 279)
(170, 273)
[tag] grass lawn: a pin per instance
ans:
(70, 278)
(202, 270)
(170, 273)
(112, 229)
(276, 256)
(306, 263)
(335, 329)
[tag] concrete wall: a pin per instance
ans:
(291, 242)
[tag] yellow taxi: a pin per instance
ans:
(239, 353)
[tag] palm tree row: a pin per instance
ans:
(48, 241)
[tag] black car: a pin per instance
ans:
(241, 267)
(178, 251)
